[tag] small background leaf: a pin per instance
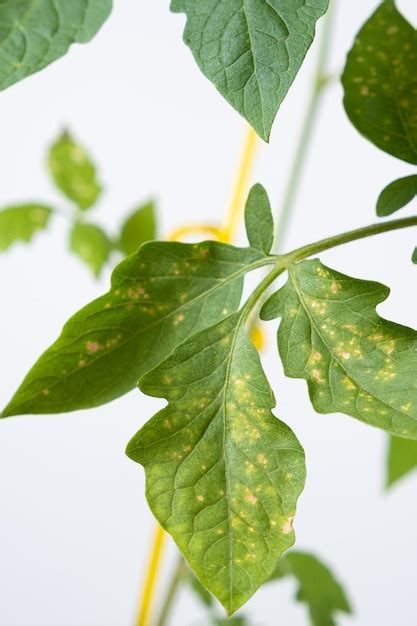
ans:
(91, 244)
(414, 256)
(74, 172)
(21, 222)
(397, 195)
(33, 33)
(258, 219)
(139, 227)
(380, 82)
(402, 459)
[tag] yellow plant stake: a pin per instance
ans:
(225, 234)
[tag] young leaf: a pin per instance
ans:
(251, 51)
(74, 172)
(318, 587)
(33, 34)
(139, 227)
(355, 362)
(21, 222)
(258, 219)
(397, 195)
(91, 244)
(158, 297)
(380, 84)
(223, 474)
(402, 459)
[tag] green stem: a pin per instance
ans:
(320, 81)
(172, 591)
(338, 240)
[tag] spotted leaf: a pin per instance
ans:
(222, 473)
(402, 459)
(317, 587)
(21, 222)
(354, 361)
(251, 50)
(158, 297)
(33, 33)
(380, 82)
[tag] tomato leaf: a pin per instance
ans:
(259, 221)
(91, 244)
(402, 459)
(380, 82)
(317, 587)
(223, 474)
(21, 222)
(397, 195)
(251, 51)
(158, 297)
(73, 172)
(355, 362)
(33, 33)
(139, 227)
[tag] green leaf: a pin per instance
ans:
(34, 33)
(259, 221)
(158, 297)
(414, 257)
(318, 587)
(91, 244)
(222, 473)
(402, 459)
(234, 621)
(139, 227)
(21, 222)
(73, 172)
(251, 51)
(397, 195)
(380, 83)
(355, 362)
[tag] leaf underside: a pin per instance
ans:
(33, 33)
(223, 474)
(402, 459)
(354, 361)
(380, 83)
(159, 296)
(21, 223)
(251, 50)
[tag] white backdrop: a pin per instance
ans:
(74, 526)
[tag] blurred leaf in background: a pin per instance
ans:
(402, 459)
(21, 222)
(91, 244)
(139, 227)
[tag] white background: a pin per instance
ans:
(74, 525)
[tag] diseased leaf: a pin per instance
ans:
(34, 33)
(91, 244)
(354, 361)
(74, 172)
(318, 587)
(380, 83)
(223, 474)
(21, 222)
(397, 195)
(251, 50)
(402, 459)
(158, 297)
(139, 227)
(259, 221)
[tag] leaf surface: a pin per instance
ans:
(139, 227)
(223, 474)
(73, 172)
(91, 244)
(258, 219)
(251, 50)
(355, 362)
(318, 588)
(21, 222)
(402, 459)
(159, 296)
(33, 33)
(397, 195)
(380, 82)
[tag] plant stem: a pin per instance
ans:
(320, 81)
(176, 579)
(338, 240)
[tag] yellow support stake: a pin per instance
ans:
(151, 577)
